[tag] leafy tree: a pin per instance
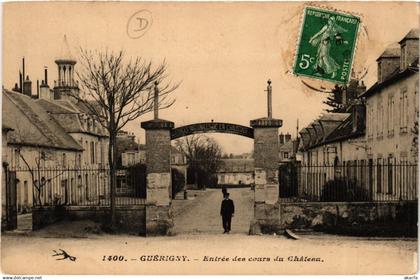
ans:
(335, 100)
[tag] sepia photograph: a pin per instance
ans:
(209, 138)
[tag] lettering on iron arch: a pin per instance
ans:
(212, 127)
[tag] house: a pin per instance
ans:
(235, 172)
(285, 147)
(51, 137)
(133, 157)
(371, 143)
(392, 105)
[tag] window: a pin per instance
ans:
(379, 72)
(403, 56)
(390, 115)
(17, 158)
(79, 160)
(403, 111)
(379, 176)
(370, 118)
(102, 153)
(286, 155)
(25, 192)
(64, 163)
(92, 152)
(379, 118)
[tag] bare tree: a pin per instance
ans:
(203, 156)
(39, 178)
(116, 91)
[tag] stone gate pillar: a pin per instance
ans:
(158, 170)
(266, 157)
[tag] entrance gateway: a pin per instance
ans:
(159, 134)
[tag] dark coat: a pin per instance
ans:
(227, 208)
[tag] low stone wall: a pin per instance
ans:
(130, 219)
(333, 216)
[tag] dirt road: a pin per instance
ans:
(202, 214)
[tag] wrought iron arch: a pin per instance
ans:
(210, 127)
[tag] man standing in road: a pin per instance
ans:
(226, 211)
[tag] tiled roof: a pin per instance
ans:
(391, 51)
(68, 116)
(343, 131)
(334, 117)
(49, 133)
(341, 128)
(412, 34)
(286, 147)
(398, 75)
(54, 107)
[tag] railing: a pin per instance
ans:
(73, 187)
(352, 181)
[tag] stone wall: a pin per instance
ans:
(130, 220)
(327, 216)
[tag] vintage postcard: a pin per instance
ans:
(238, 138)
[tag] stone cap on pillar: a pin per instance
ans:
(266, 122)
(157, 124)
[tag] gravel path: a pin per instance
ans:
(202, 214)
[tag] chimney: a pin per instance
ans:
(409, 48)
(27, 87)
(16, 88)
(281, 139)
(20, 82)
(388, 62)
(44, 91)
(37, 89)
(358, 115)
(295, 146)
(287, 137)
(23, 70)
(46, 75)
(361, 88)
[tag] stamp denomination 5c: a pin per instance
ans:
(327, 44)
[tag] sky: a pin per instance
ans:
(222, 53)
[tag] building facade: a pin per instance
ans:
(236, 172)
(392, 105)
(51, 136)
(372, 144)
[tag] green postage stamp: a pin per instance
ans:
(327, 44)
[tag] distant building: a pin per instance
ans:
(285, 147)
(234, 172)
(133, 157)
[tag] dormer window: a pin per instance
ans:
(403, 56)
(379, 71)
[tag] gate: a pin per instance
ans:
(288, 180)
(11, 201)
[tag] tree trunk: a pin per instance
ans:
(111, 159)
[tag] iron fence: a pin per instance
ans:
(351, 181)
(81, 186)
